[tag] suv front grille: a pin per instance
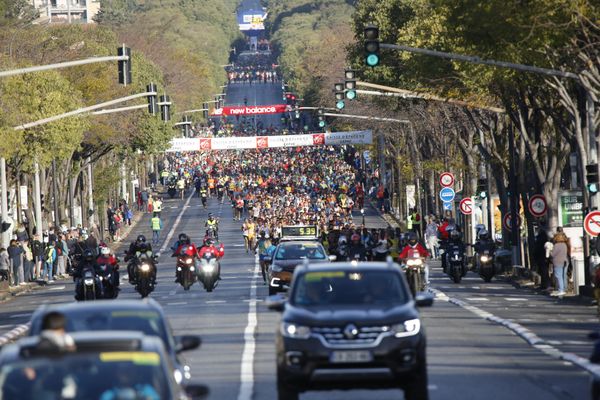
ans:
(336, 336)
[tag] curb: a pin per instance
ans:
(528, 336)
(14, 334)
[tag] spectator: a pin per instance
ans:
(15, 254)
(4, 265)
(560, 260)
(50, 259)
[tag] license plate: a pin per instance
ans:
(351, 357)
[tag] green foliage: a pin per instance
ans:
(14, 12)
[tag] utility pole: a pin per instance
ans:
(38, 200)
(55, 198)
(4, 200)
(90, 210)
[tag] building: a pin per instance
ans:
(67, 11)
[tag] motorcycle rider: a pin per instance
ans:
(139, 245)
(209, 247)
(183, 241)
(482, 244)
(212, 223)
(411, 245)
(107, 258)
(356, 250)
(87, 260)
(454, 240)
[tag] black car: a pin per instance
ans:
(350, 325)
(90, 365)
(290, 254)
(144, 316)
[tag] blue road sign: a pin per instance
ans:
(447, 194)
(447, 206)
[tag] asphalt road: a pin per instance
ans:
(468, 357)
(256, 94)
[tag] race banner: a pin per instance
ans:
(250, 110)
(278, 141)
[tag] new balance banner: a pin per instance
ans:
(264, 142)
(250, 110)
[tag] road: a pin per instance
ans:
(468, 357)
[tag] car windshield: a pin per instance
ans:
(148, 321)
(86, 376)
(296, 251)
(326, 288)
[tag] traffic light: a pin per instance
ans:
(152, 107)
(297, 113)
(165, 108)
(321, 117)
(591, 173)
(339, 96)
(205, 110)
(350, 83)
(482, 187)
(124, 65)
(372, 45)
(186, 127)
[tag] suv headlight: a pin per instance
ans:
(295, 331)
(276, 268)
(408, 328)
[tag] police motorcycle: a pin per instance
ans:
(414, 269)
(186, 267)
(144, 271)
(209, 271)
(454, 252)
(89, 280)
(106, 278)
(484, 260)
(172, 188)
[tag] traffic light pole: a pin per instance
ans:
(4, 199)
(4, 74)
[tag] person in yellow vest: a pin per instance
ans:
(164, 176)
(157, 206)
(156, 224)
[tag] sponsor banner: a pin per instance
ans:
(352, 137)
(250, 110)
(252, 20)
(264, 142)
(185, 144)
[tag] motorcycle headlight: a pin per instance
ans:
(276, 268)
(145, 267)
(414, 263)
(88, 282)
(178, 268)
(189, 261)
(107, 276)
(407, 328)
(485, 258)
(295, 331)
(209, 267)
(192, 268)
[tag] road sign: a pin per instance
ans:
(466, 206)
(447, 194)
(447, 206)
(507, 221)
(591, 223)
(538, 206)
(446, 179)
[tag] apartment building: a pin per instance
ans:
(67, 11)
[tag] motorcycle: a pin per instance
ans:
(455, 263)
(89, 282)
(209, 271)
(414, 268)
(486, 265)
(212, 232)
(172, 190)
(204, 198)
(108, 286)
(145, 273)
(186, 269)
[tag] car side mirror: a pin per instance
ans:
(187, 342)
(276, 302)
(424, 299)
(197, 392)
(332, 257)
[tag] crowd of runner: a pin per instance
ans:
(253, 68)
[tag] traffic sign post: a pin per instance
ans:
(538, 206)
(466, 206)
(591, 223)
(447, 206)
(447, 194)
(507, 221)
(446, 179)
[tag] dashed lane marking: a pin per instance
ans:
(477, 299)
(515, 299)
(179, 303)
(247, 363)
(216, 301)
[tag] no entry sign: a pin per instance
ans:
(507, 221)
(466, 206)
(446, 179)
(537, 206)
(591, 223)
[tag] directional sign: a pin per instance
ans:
(447, 206)
(446, 179)
(447, 194)
(591, 223)
(466, 206)
(538, 206)
(507, 221)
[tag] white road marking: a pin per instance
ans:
(180, 303)
(57, 287)
(515, 299)
(175, 224)
(20, 315)
(247, 363)
(215, 301)
(477, 299)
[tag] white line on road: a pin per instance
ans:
(20, 315)
(515, 299)
(57, 287)
(180, 303)
(175, 224)
(215, 301)
(247, 364)
(477, 299)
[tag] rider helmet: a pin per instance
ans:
(184, 239)
(454, 234)
(210, 215)
(104, 251)
(355, 238)
(141, 239)
(483, 235)
(209, 241)
(88, 255)
(411, 237)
